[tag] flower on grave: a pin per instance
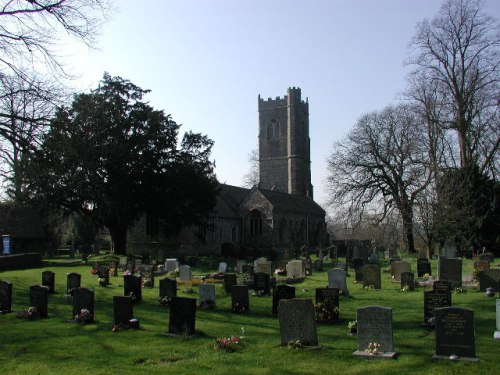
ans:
(405, 288)
(31, 313)
(239, 309)
(207, 304)
(458, 290)
(373, 348)
(132, 296)
(294, 344)
(426, 276)
(94, 271)
(326, 311)
(112, 271)
(84, 316)
(258, 293)
(228, 345)
(127, 273)
(146, 283)
(71, 291)
(280, 272)
(431, 322)
(102, 281)
(164, 301)
(370, 287)
(352, 324)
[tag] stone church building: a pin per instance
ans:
(277, 216)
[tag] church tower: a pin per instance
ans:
(284, 145)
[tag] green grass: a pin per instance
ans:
(52, 346)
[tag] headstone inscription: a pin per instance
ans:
(489, 279)
(182, 316)
(442, 286)
(73, 281)
(282, 292)
(450, 269)
(297, 322)
(337, 279)
(327, 305)
(230, 279)
(261, 283)
(185, 273)
(83, 298)
(207, 296)
(372, 276)
(496, 334)
(398, 267)
(148, 276)
(434, 299)
(39, 299)
(48, 280)
(263, 267)
(5, 297)
(123, 310)
(423, 267)
(455, 336)
(408, 280)
(240, 302)
(375, 332)
(132, 287)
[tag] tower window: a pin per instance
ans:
(273, 130)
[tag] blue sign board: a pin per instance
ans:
(6, 244)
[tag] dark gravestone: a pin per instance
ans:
(423, 267)
(168, 287)
(434, 299)
(73, 281)
(372, 276)
(318, 265)
(48, 280)
(39, 299)
(123, 309)
(83, 298)
(239, 299)
(327, 304)
(455, 334)
(297, 322)
(442, 286)
(489, 279)
(132, 286)
(282, 292)
(375, 326)
(408, 280)
(450, 269)
(182, 316)
(5, 296)
(308, 266)
(261, 283)
(230, 279)
(357, 265)
(398, 267)
(103, 273)
(148, 276)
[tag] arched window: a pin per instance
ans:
(273, 130)
(255, 222)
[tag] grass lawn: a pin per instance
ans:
(52, 346)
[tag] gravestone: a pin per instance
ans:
(308, 267)
(258, 260)
(295, 269)
(282, 292)
(48, 280)
(185, 273)
(408, 279)
(222, 267)
(130, 267)
(171, 264)
(489, 279)
(450, 249)
(239, 299)
(451, 270)
(342, 265)
(318, 265)
(455, 334)
(263, 267)
(123, 309)
(357, 265)
(230, 279)
(248, 269)
(168, 287)
(496, 334)
(398, 267)
(375, 326)
(73, 281)
(182, 316)
(83, 298)
(297, 322)
(5, 297)
(239, 265)
(434, 299)
(39, 299)
(148, 276)
(481, 265)
(103, 273)
(423, 267)
(327, 299)
(113, 269)
(374, 258)
(207, 296)
(442, 286)
(261, 283)
(489, 257)
(132, 286)
(337, 279)
(372, 276)
(122, 261)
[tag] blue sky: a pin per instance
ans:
(206, 62)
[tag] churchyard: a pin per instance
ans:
(273, 337)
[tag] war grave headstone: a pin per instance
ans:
(148, 276)
(423, 267)
(496, 334)
(297, 322)
(132, 287)
(327, 305)
(171, 264)
(123, 310)
(337, 279)
(230, 279)
(5, 297)
(450, 269)
(206, 296)
(399, 267)
(489, 257)
(408, 280)
(240, 302)
(262, 283)
(481, 265)
(489, 279)
(39, 299)
(83, 299)
(222, 267)
(48, 280)
(184, 273)
(318, 265)
(182, 317)
(263, 267)
(282, 292)
(375, 337)
(103, 275)
(308, 267)
(239, 265)
(434, 299)
(455, 336)
(295, 269)
(372, 276)
(357, 265)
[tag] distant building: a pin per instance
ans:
(24, 227)
(278, 215)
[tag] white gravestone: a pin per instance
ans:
(295, 269)
(497, 332)
(222, 267)
(171, 264)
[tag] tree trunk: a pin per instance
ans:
(119, 237)
(407, 215)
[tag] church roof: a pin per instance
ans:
(292, 202)
(229, 199)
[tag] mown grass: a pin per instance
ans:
(52, 346)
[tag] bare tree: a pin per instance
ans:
(252, 177)
(381, 164)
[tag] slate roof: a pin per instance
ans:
(229, 200)
(292, 203)
(20, 222)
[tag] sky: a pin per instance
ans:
(207, 61)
